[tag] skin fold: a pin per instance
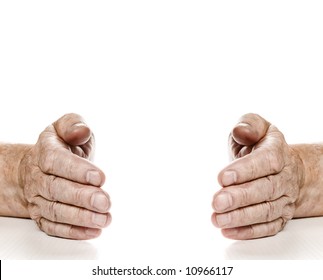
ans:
(54, 182)
(268, 181)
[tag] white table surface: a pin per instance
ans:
(161, 86)
(20, 239)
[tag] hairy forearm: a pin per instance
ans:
(310, 200)
(12, 200)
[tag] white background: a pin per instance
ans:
(161, 83)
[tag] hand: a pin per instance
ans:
(262, 183)
(61, 186)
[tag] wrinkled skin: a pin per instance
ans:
(261, 186)
(61, 186)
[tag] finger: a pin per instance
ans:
(265, 159)
(238, 151)
(60, 162)
(72, 129)
(255, 214)
(267, 188)
(255, 231)
(68, 231)
(250, 129)
(58, 189)
(67, 214)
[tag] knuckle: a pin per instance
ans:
(76, 216)
(71, 231)
(34, 212)
(79, 195)
(243, 196)
(51, 189)
(271, 187)
(46, 160)
(55, 229)
(270, 210)
(275, 161)
(250, 232)
(278, 136)
(243, 216)
(79, 214)
(52, 210)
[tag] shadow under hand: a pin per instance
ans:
(22, 240)
(301, 239)
(53, 248)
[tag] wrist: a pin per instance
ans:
(310, 199)
(300, 166)
(12, 199)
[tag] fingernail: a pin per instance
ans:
(229, 178)
(223, 220)
(92, 232)
(222, 202)
(79, 124)
(243, 124)
(76, 126)
(99, 220)
(100, 202)
(93, 178)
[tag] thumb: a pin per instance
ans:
(72, 129)
(250, 129)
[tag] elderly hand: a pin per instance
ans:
(61, 186)
(260, 185)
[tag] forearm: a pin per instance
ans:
(310, 200)
(12, 200)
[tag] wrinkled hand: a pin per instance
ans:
(260, 185)
(62, 187)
